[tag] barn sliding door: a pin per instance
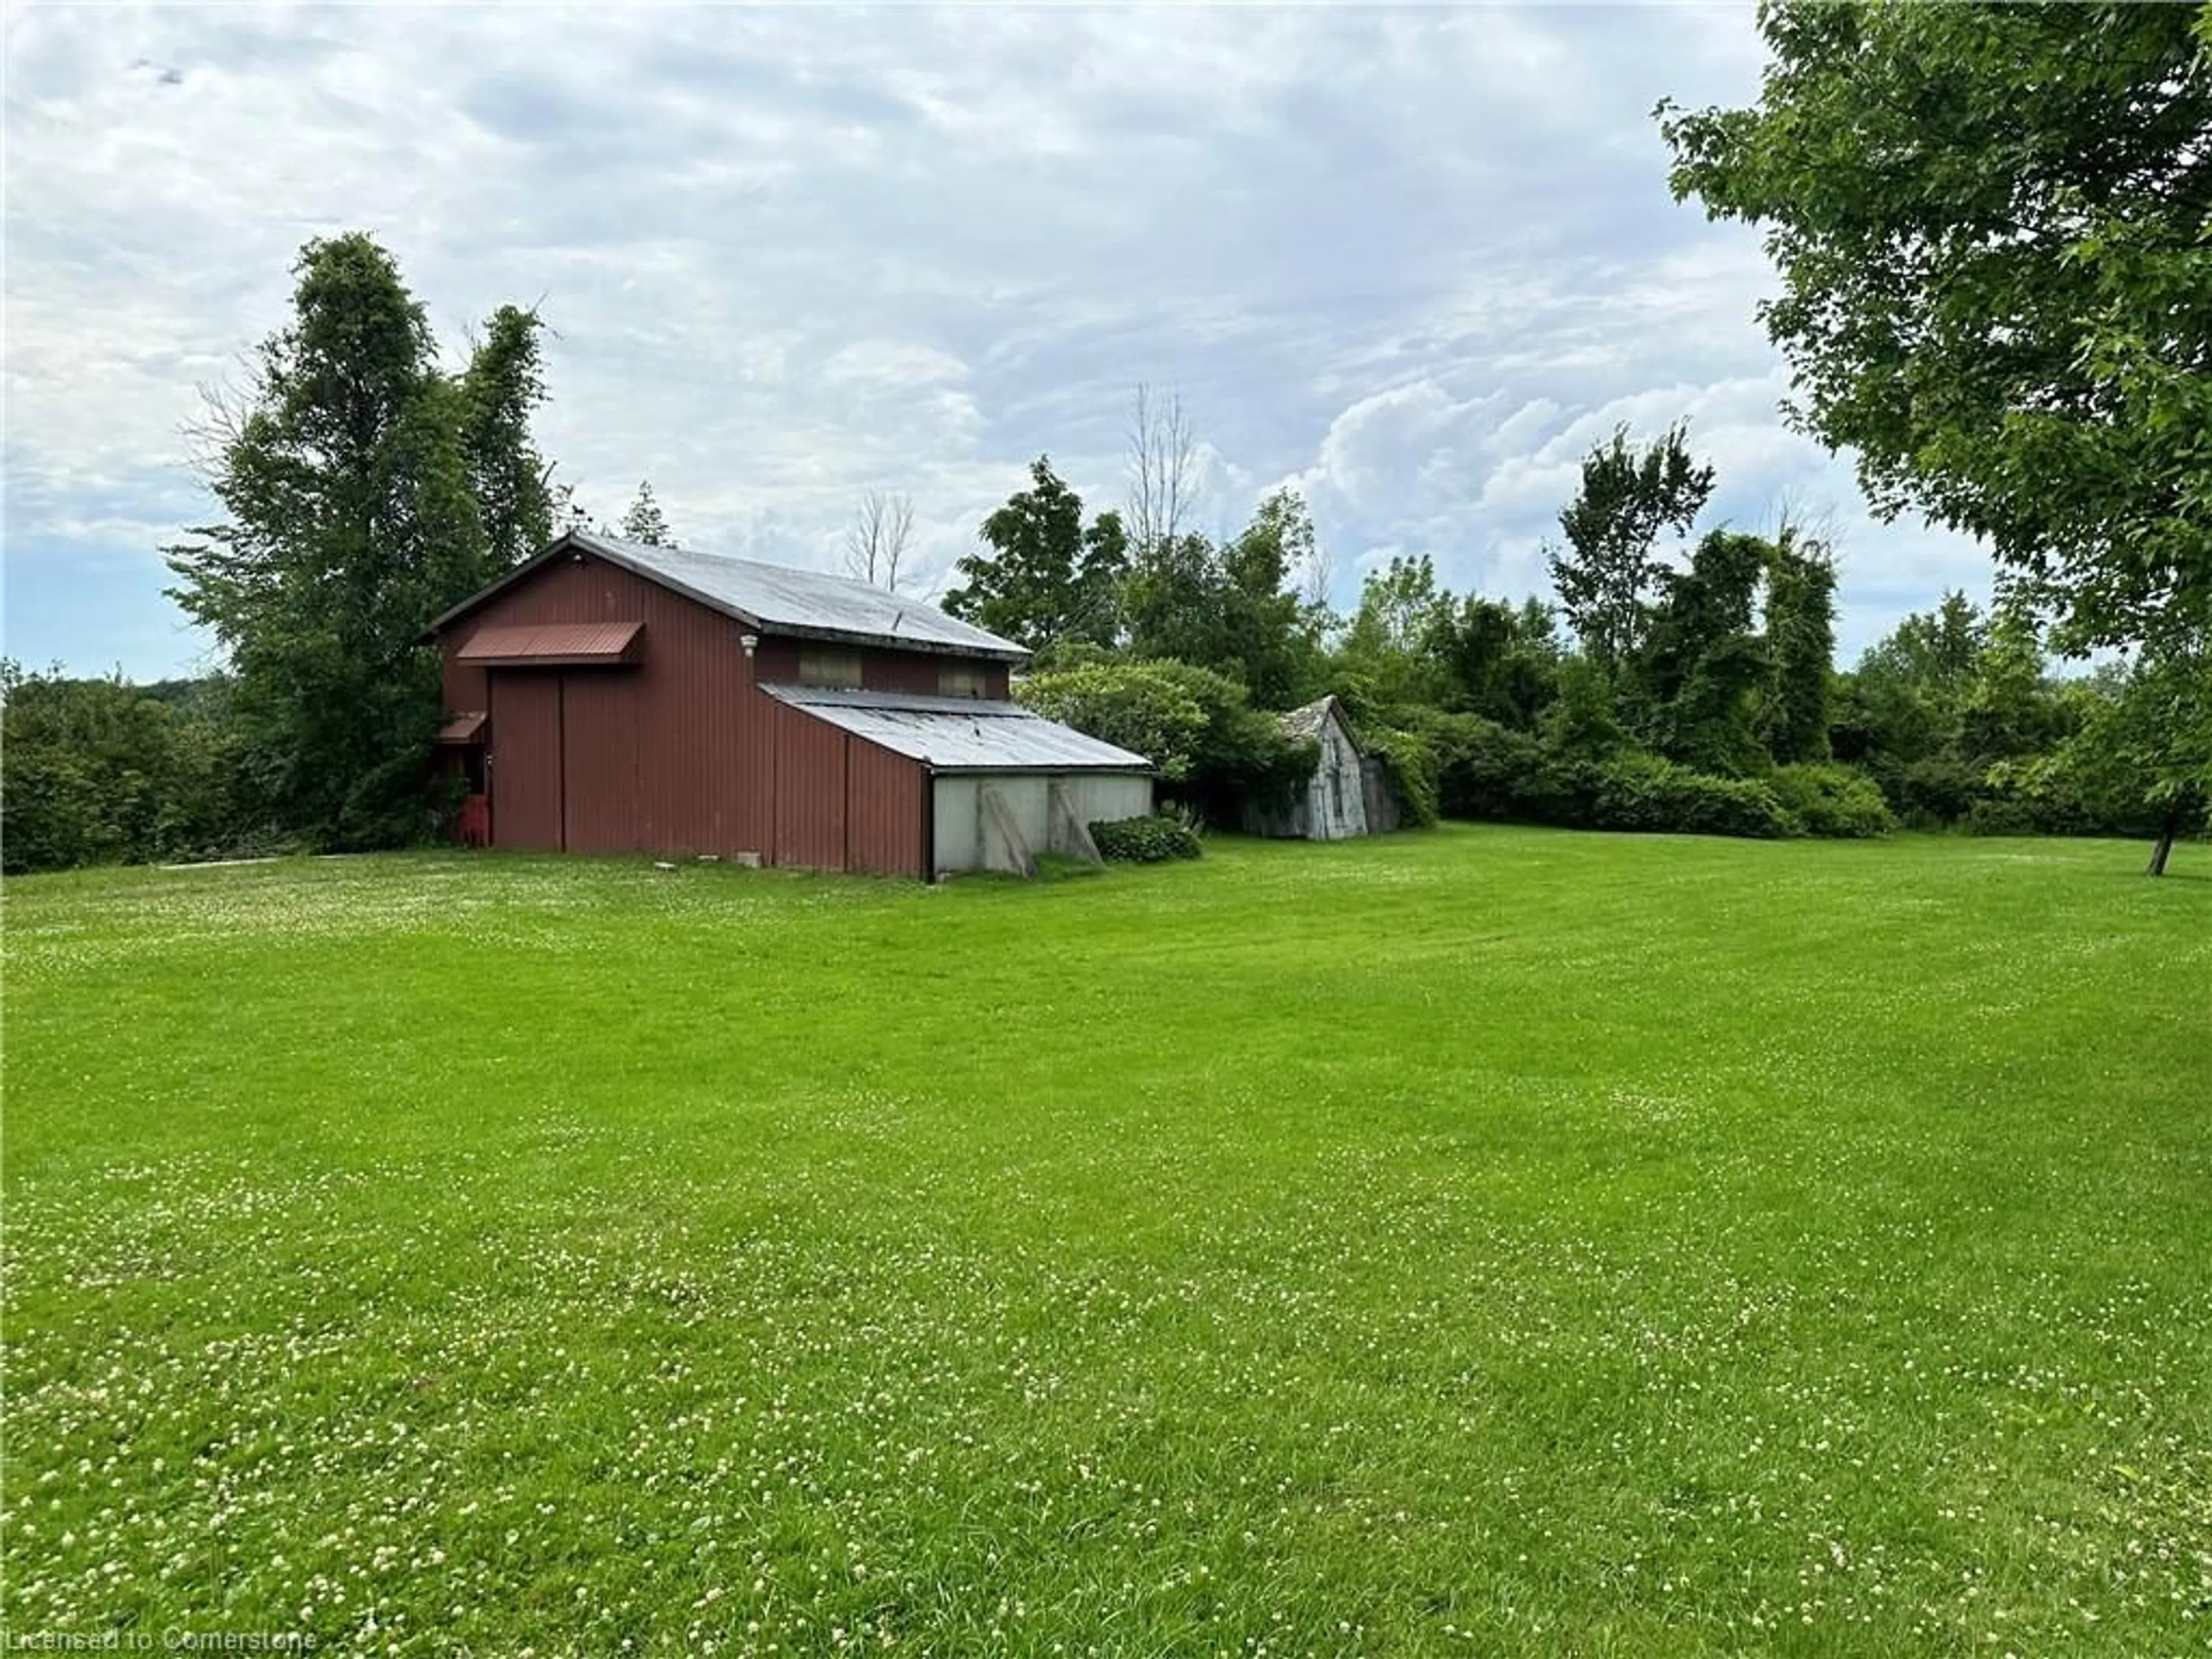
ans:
(598, 763)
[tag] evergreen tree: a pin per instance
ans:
(645, 523)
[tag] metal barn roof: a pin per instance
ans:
(960, 734)
(775, 599)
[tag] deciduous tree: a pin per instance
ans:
(1163, 470)
(1607, 574)
(877, 544)
(346, 475)
(1997, 286)
(1047, 578)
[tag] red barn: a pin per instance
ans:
(611, 697)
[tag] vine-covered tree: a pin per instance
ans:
(1498, 661)
(1047, 578)
(345, 474)
(1702, 668)
(1801, 647)
(644, 522)
(1607, 574)
(501, 390)
(1996, 286)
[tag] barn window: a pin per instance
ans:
(828, 665)
(959, 679)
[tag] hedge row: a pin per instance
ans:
(1485, 770)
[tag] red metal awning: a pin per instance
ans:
(463, 728)
(554, 645)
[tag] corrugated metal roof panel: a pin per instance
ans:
(960, 734)
(777, 598)
(552, 644)
(783, 599)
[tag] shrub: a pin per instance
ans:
(2003, 815)
(1145, 841)
(1486, 770)
(1830, 800)
(1510, 775)
(1931, 793)
(1641, 792)
(1213, 749)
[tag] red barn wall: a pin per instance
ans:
(880, 670)
(809, 791)
(883, 826)
(682, 753)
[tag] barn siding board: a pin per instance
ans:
(809, 791)
(883, 806)
(601, 801)
(525, 762)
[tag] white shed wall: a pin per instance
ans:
(1101, 797)
(1336, 801)
(958, 814)
(1095, 796)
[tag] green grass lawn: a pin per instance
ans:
(1486, 1242)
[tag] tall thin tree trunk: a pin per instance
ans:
(2164, 850)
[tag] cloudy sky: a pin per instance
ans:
(1414, 261)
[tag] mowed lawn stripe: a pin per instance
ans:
(1488, 1241)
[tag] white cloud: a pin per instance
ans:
(1415, 260)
